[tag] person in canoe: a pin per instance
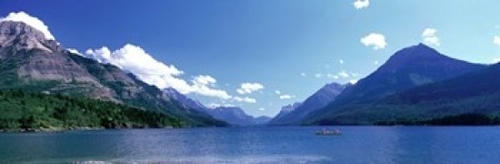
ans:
(329, 132)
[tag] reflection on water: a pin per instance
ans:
(256, 145)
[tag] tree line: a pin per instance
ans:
(20, 110)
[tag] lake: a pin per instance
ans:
(358, 144)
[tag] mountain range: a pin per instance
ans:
(232, 115)
(410, 68)
(30, 62)
(416, 85)
(236, 116)
(476, 92)
(293, 114)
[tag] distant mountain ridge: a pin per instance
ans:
(285, 110)
(30, 62)
(236, 116)
(233, 115)
(410, 67)
(319, 99)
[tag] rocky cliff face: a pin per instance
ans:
(26, 56)
(20, 36)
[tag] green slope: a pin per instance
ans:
(31, 111)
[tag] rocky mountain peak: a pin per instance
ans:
(188, 102)
(289, 108)
(420, 53)
(25, 37)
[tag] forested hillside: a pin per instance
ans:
(28, 111)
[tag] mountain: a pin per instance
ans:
(36, 111)
(477, 92)
(232, 115)
(407, 68)
(184, 100)
(261, 120)
(236, 116)
(285, 110)
(319, 99)
(32, 63)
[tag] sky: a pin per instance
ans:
(260, 54)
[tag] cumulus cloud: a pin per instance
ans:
(31, 21)
(341, 61)
(247, 88)
(375, 40)
(134, 59)
(216, 105)
(496, 40)
(74, 51)
(332, 76)
(303, 74)
(429, 36)
(360, 4)
(353, 81)
(285, 96)
(262, 109)
(277, 92)
(245, 99)
(203, 84)
(343, 73)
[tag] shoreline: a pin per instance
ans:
(57, 129)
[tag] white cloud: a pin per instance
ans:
(134, 59)
(376, 62)
(318, 75)
(277, 92)
(216, 105)
(496, 40)
(354, 74)
(204, 80)
(377, 41)
(332, 76)
(247, 88)
(202, 85)
(31, 21)
(429, 36)
(262, 109)
(343, 73)
(74, 51)
(341, 61)
(360, 4)
(496, 60)
(245, 99)
(303, 74)
(353, 81)
(284, 97)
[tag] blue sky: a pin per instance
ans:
(284, 50)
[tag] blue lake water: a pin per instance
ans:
(358, 144)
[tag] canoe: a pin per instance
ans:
(329, 132)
